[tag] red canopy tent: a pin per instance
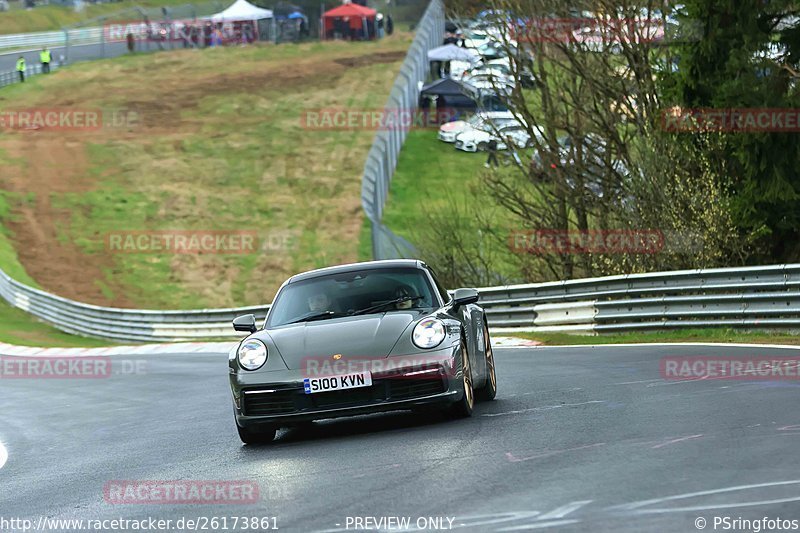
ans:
(351, 21)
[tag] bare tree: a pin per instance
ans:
(599, 160)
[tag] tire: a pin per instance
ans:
(262, 436)
(488, 391)
(482, 146)
(463, 407)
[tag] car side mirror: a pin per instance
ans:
(245, 323)
(464, 297)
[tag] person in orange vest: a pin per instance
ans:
(21, 68)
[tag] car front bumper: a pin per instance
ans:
(448, 136)
(278, 399)
(466, 146)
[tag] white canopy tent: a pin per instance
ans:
(451, 52)
(241, 10)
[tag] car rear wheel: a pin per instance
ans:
(260, 436)
(463, 407)
(489, 391)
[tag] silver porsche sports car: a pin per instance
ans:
(360, 338)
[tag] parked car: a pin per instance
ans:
(475, 140)
(593, 166)
(491, 82)
(449, 130)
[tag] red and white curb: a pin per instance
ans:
(182, 348)
(513, 342)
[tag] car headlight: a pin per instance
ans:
(428, 333)
(252, 354)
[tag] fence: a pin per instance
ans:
(765, 297)
(382, 158)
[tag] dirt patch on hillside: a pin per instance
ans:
(58, 163)
(362, 61)
(54, 164)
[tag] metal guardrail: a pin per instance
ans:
(123, 324)
(9, 78)
(753, 297)
(382, 158)
(51, 39)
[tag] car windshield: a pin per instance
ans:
(476, 120)
(346, 294)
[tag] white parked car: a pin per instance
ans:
(478, 140)
(449, 130)
(475, 38)
(490, 81)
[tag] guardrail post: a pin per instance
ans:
(102, 42)
(66, 45)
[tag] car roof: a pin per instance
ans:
(495, 114)
(352, 267)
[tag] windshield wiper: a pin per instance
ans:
(384, 304)
(312, 317)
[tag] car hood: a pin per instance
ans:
(369, 336)
(457, 125)
(474, 135)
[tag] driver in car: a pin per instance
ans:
(319, 302)
(404, 291)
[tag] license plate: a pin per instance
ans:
(340, 382)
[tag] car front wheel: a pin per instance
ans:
(463, 407)
(489, 391)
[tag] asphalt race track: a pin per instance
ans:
(77, 52)
(578, 439)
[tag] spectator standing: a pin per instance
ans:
(379, 25)
(131, 40)
(21, 68)
(492, 149)
(45, 57)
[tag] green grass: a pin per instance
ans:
(18, 327)
(434, 180)
(723, 335)
(429, 174)
(8, 256)
(47, 18)
(221, 147)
